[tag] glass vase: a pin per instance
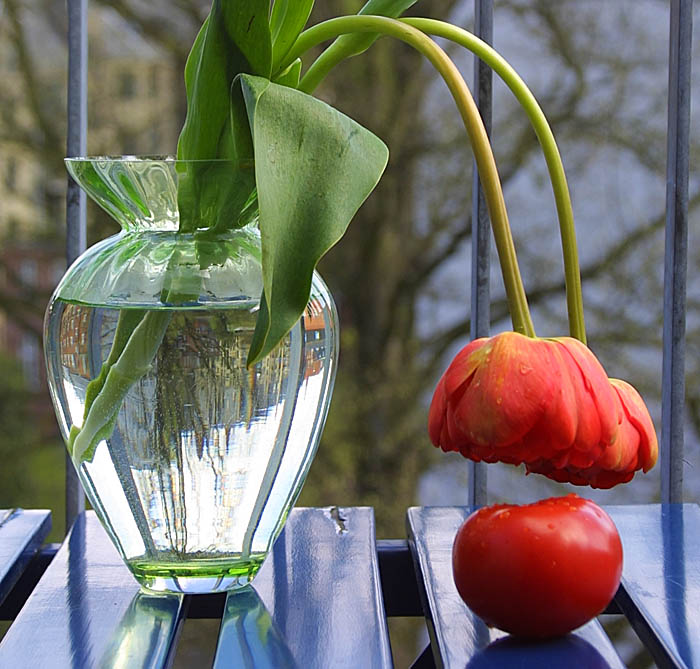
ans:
(191, 460)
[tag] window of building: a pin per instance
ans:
(58, 267)
(153, 81)
(30, 355)
(28, 271)
(11, 174)
(127, 85)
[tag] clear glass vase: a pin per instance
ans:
(191, 460)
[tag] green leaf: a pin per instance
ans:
(128, 320)
(234, 39)
(286, 22)
(314, 167)
(133, 362)
(211, 195)
(248, 26)
(290, 76)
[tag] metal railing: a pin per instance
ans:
(676, 242)
(75, 197)
(676, 247)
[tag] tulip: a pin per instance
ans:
(547, 403)
(636, 447)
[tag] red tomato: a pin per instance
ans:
(539, 570)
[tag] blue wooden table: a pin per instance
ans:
(659, 594)
(21, 536)
(323, 596)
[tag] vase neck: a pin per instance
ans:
(163, 194)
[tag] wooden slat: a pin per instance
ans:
(457, 635)
(317, 600)
(21, 535)
(660, 590)
(87, 611)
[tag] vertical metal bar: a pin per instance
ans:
(676, 251)
(481, 229)
(75, 197)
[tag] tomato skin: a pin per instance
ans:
(539, 570)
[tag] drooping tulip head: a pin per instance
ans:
(547, 403)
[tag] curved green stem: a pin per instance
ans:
(503, 69)
(486, 165)
(320, 68)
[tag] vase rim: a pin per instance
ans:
(145, 192)
(156, 158)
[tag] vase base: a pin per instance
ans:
(193, 578)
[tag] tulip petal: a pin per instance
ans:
(599, 412)
(554, 434)
(463, 366)
(509, 390)
(638, 416)
(547, 403)
(436, 414)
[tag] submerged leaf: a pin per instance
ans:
(314, 167)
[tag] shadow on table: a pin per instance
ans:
(562, 653)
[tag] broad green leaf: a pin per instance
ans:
(205, 77)
(211, 194)
(248, 26)
(290, 76)
(192, 67)
(234, 39)
(314, 167)
(286, 22)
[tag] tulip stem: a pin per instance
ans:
(523, 94)
(486, 164)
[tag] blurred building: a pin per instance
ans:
(28, 274)
(135, 96)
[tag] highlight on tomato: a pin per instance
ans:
(538, 570)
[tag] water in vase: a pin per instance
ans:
(197, 459)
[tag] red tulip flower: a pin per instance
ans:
(547, 403)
